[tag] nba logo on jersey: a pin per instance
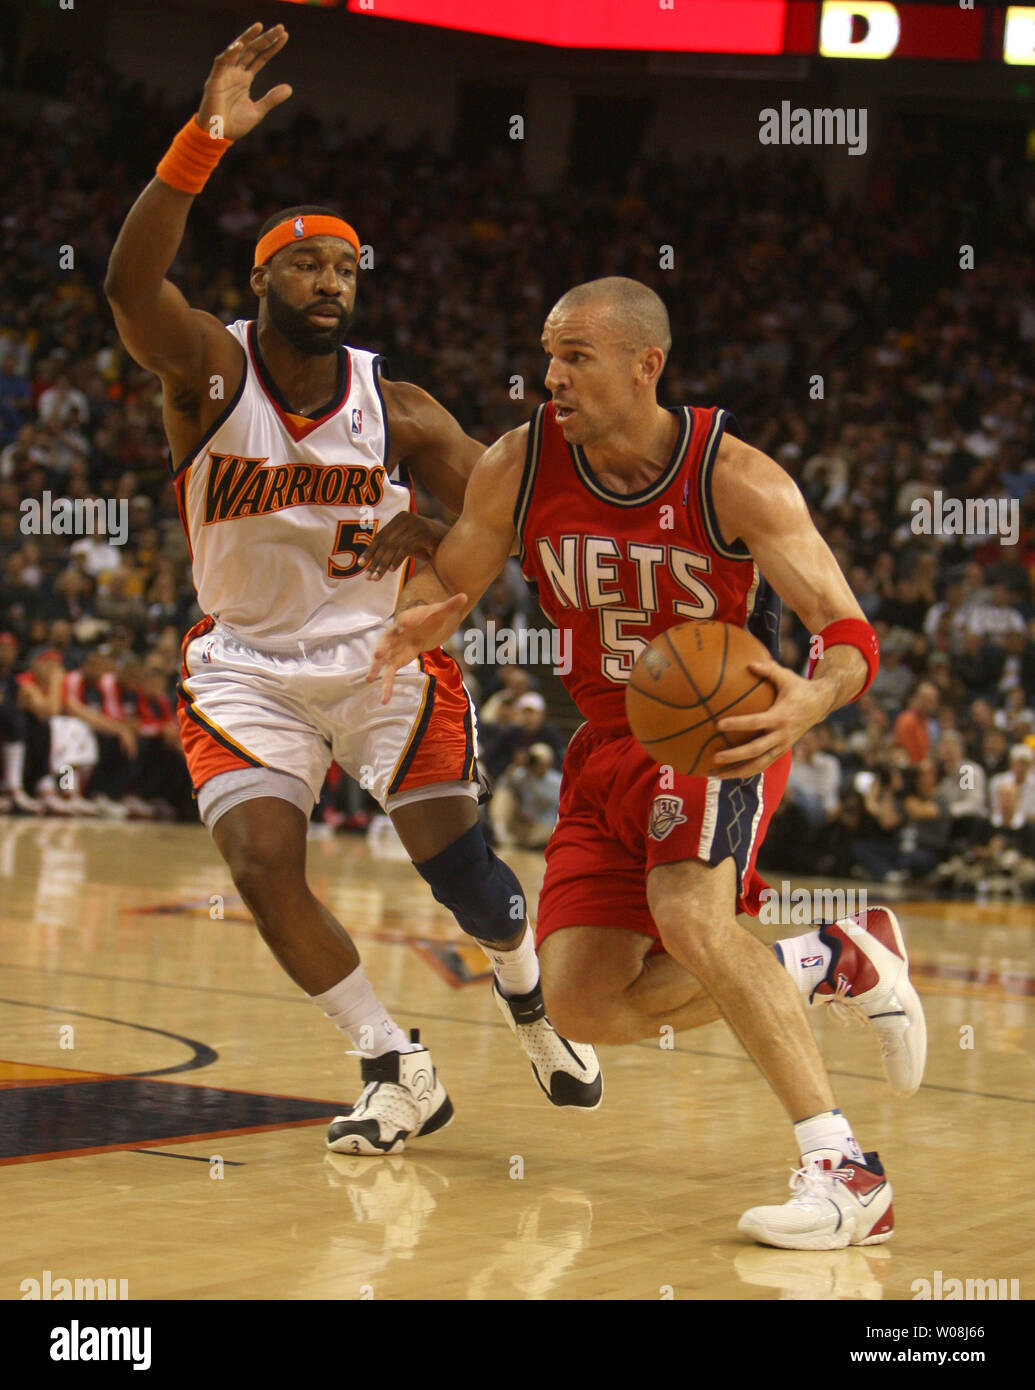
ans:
(299, 227)
(357, 422)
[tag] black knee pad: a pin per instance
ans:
(481, 892)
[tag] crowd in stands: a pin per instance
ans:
(927, 390)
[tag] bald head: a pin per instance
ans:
(607, 341)
(632, 310)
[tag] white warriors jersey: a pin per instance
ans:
(278, 507)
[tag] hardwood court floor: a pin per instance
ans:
(145, 1039)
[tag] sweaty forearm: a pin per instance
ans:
(147, 244)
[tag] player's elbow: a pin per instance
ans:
(123, 290)
(114, 284)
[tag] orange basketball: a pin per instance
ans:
(687, 679)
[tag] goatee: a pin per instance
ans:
(300, 331)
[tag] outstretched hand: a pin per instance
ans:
(416, 630)
(227, 110)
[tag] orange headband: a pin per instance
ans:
(295, 229)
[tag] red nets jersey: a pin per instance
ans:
(617, 570)
(103, 694)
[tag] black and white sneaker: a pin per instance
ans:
(568, 1072)
(402, 1099)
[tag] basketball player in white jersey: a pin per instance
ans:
(290, 453)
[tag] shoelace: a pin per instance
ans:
(847, 1014)
(811, 1184)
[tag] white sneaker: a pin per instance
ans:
(831, 1208)
(568, 1072)
(402, 1099)
(19, 801)
(868, 984)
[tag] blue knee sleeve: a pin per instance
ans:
(480, 891)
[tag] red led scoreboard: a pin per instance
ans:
(857, 29)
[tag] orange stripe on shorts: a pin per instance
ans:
(441, 748)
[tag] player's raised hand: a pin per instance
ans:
(227, 110)
(416, 630)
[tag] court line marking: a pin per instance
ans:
(190, 1158)
(487, 1023)
(151, 1143)
(156, 1075)
(202, 1054)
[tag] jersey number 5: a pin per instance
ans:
(620, 648)
(351, 541)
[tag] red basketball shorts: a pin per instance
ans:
(616, 823)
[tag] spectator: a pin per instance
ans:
(814, 781)
(926, 827)
(926, 388)
(58, 402)
(39, 695)
(13, 735)
(524, 805)
(913, 727)
(995, 618)
(963, 791)
(515, 681)
(91, 696)
(874, 853)
(1012, 798)
(526, 725)
(160, 787)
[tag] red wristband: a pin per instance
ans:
(851, 632)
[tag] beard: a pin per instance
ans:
(300, 331)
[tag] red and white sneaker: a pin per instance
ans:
(831, 1208)
(868, 984)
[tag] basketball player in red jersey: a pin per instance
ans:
(286, 472)
(630, 518)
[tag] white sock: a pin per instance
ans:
(805, 959)
(354, 1008)
(827, 1138)
(517, 971)
(14, 766)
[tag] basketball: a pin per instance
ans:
(687, 679)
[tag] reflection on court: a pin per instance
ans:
(140, 1008)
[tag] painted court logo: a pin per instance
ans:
(666, 813)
